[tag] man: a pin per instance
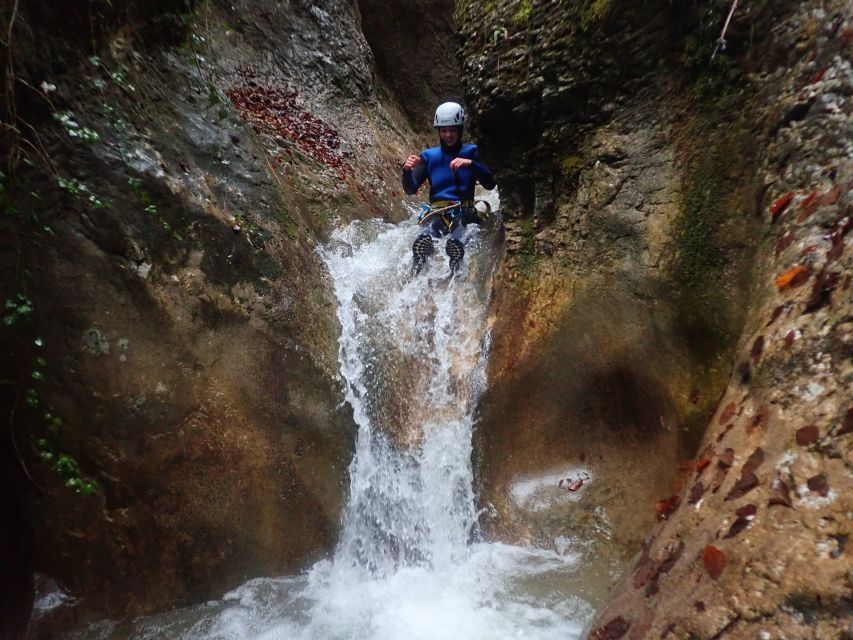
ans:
(453, 169)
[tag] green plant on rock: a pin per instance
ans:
(570, 171)
(73, 128)
(19, 312)
(75, 187)
(18, 308)
(67, 468)
(593, 13)
(149, 207)
(522, 13)
(82, 192)
(195, 47)
(119, 77)
(526, 260)
(112, 117)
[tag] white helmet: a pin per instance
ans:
(449, 114)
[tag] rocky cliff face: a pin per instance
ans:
(653, 279)
(176, 180)
(670, 372)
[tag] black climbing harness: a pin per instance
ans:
(452, 212)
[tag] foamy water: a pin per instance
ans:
(410, 563)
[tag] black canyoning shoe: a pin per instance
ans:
(455, 251)
(421, 250)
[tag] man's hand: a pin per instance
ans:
(411, 162)
(458, 163)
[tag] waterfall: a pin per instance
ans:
(410, 562)
(412, 354)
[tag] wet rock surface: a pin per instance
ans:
(670, 371)
(686, 244)
(610, 328)
(764, 543)
(190, 336)
(414, 44)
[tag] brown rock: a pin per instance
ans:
(819, 484)
(728, 413)
(746, 483)
(745, 515)
(714, 561)
(696, 493)
(847, 423)
(779, 492)
(613, 630)
(757, 349)
(754, 461)
(760, 418)
(807, 435)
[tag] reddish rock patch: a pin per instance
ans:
(714, 561)
(745, 516)
(794, 277)
(757, 349)
(780, 494)
(613, 630)
(780, 204)
(728, 413)
(819, 484)
(807, 435)
(847, 423)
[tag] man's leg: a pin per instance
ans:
(455, 247)
(423, 247)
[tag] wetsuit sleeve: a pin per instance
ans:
(482, 173)
(412, 180)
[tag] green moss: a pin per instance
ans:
(571, 166)
(570, 171)
(468, 11)
(699, 265)
(709, 378)
(593, 13)
(522, 13)
(525, 263)
(288, 225)
(527, 230)
(269, 269)
(713, 237)
(701, 268)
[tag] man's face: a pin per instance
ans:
(448, 135)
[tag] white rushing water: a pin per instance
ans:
(410, 563)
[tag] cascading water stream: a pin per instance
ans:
(409, 563)
(410, 352)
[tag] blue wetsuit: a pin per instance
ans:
(445, 184)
